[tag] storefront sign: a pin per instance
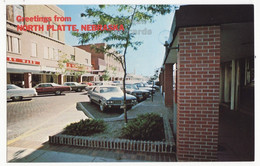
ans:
(24, 61)
(76, 67)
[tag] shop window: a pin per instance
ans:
(36, 79)
(34, 50)
(17, 79)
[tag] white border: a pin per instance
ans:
(3, 122)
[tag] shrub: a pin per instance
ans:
(145, 127)
(85, 127)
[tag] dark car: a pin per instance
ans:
(110, 96)
(143, 87)
(140, 94)
(76, 86)
(44, 88)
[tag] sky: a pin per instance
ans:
(149, 55)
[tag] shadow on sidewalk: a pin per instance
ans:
(236, 136)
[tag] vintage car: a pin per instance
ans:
(75, 86)
(16, 93)
(143, 87)
(57, 89)
(109, 97)
(132, 89)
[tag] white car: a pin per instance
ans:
(110, 96)
(16, 93)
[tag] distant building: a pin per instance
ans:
(32, 56)
(101, 62)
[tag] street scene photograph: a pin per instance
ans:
(130, 83)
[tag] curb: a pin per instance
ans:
(80, 107)
(114, 144)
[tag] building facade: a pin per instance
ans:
(208, 63)
(101, 62)
(35, 56)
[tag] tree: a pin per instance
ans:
(155, 76)
(106, 75)
(121, 40)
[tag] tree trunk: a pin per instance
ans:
(125, 111)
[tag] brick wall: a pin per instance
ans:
(198, 93)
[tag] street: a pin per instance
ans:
(43, 114)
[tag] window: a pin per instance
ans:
(55, 33)
(34, 50)
(13, 44)
(46, 53)
(72, 57)
(86, 60)
(51, 53)
(18, 11)
(56, 54)
(46, 32)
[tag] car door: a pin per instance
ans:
(49, 88)
(40, 88)
(95, 94)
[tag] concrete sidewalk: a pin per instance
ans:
(41, 151)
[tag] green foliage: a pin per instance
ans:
(106, 76)
(85, 127)
(145, 127)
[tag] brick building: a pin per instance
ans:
(101, 62)
(209, 62)
(32, 56)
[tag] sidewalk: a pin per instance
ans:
(22, 151)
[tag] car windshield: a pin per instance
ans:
(131, 86)
(110, 90)
(54, 84)
(13, 87)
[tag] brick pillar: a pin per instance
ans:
(168, 85)
(60, 79)
(28, 80)
(198, 93)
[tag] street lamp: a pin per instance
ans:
(167, 47)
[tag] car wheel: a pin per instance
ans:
(58, 92)
(79, 90)
(17, 98)
(102, 107)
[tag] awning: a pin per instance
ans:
(20, 68)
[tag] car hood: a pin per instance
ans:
(145, 88)
(117, 96)
(26, 90)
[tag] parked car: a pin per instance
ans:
(109, 97)
(51, 88)
(75, 86)
(143, 87)
(132, 89)
(16, 93)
